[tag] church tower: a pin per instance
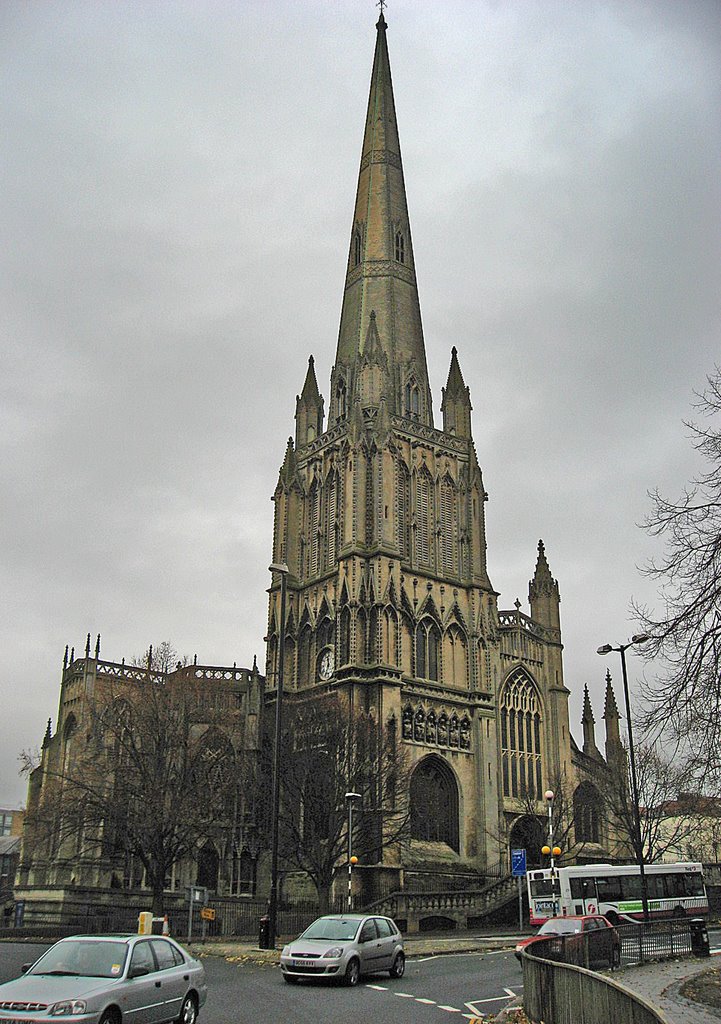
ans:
(380, 518)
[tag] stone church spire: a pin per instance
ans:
(589, 726)
(456, 404)
(380, 275)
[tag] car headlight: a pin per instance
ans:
(286, 951)
(334, 953)
(68, 1008)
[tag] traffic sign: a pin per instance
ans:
(518, 863)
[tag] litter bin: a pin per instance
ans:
(699, 937)
(264, 933)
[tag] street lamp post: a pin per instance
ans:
(350, 799)
(282, 570)
(551, 850)
(640, 638)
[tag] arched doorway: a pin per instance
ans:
(434, 802)
(528, 834)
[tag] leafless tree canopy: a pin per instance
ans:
(328, 751)
(666, 823)
(686, 634)
(152, 778)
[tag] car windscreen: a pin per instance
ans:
(560, 927)
(332, 928)
(83, 958)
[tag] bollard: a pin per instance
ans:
(699, 937)
(264, 932)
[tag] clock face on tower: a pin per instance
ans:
(326, 664)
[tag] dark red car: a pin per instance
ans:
(589, 939)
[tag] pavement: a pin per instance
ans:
(658, 983)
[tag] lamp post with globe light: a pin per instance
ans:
(639, 638)
(551, 850)
(350, 800)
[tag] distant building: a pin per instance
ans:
(11, 828)
(56, 869)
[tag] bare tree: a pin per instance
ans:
(151, 778)
(665, 821)
(328, 751)
(686, 635)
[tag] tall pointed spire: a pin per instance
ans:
(588, 722)
(381, 271)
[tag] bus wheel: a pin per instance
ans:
(679, 912)
(613, 917)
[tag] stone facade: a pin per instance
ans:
(380, 518)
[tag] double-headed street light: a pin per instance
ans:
(639, 638)
(551, 850)
(282, 569)
(350, 799)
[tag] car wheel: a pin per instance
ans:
(189, 1011)
(399, 966)
(352, 973)
(110, 1017)
(289, 979)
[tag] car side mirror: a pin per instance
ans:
(139, 971)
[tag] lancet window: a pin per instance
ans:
(400, 247)
(424, 518)
(427, 649)
(449, 519)
(521, 737)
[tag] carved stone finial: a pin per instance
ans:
(97, 647)
(87, 647)
(65, 657)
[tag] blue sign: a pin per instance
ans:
(518, 863)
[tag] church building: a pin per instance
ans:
(380, 520)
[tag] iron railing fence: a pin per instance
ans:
(654, 940)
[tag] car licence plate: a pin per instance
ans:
(296, 963)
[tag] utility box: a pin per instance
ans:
(699, 937)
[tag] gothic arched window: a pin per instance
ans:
(587, 811)
(434, 802)
(521, 736)
(403, 496)
(427, 647)
(341, 395)
(449, 517)
(357, 247)
(344, 650)
(400, 247)
(424, 517)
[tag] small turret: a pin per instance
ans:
(589, 727)
(456, 403)
(48, 735)
(611, 717)
(543, 594)
(308, 409)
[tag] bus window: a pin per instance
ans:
(609, 889)
(582, 889)
(542, 887)
(694, 884)
(631, 885)
(655, 887)
(675, 885)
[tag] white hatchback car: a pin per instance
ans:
(344, 947)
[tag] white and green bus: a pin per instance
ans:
(614, 890)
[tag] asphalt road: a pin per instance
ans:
(434, 990)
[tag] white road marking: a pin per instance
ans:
(428, 1002)
(511, 993)
(404, 995)
(378, 988)
(450, 1009)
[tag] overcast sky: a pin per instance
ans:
(177, 192)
